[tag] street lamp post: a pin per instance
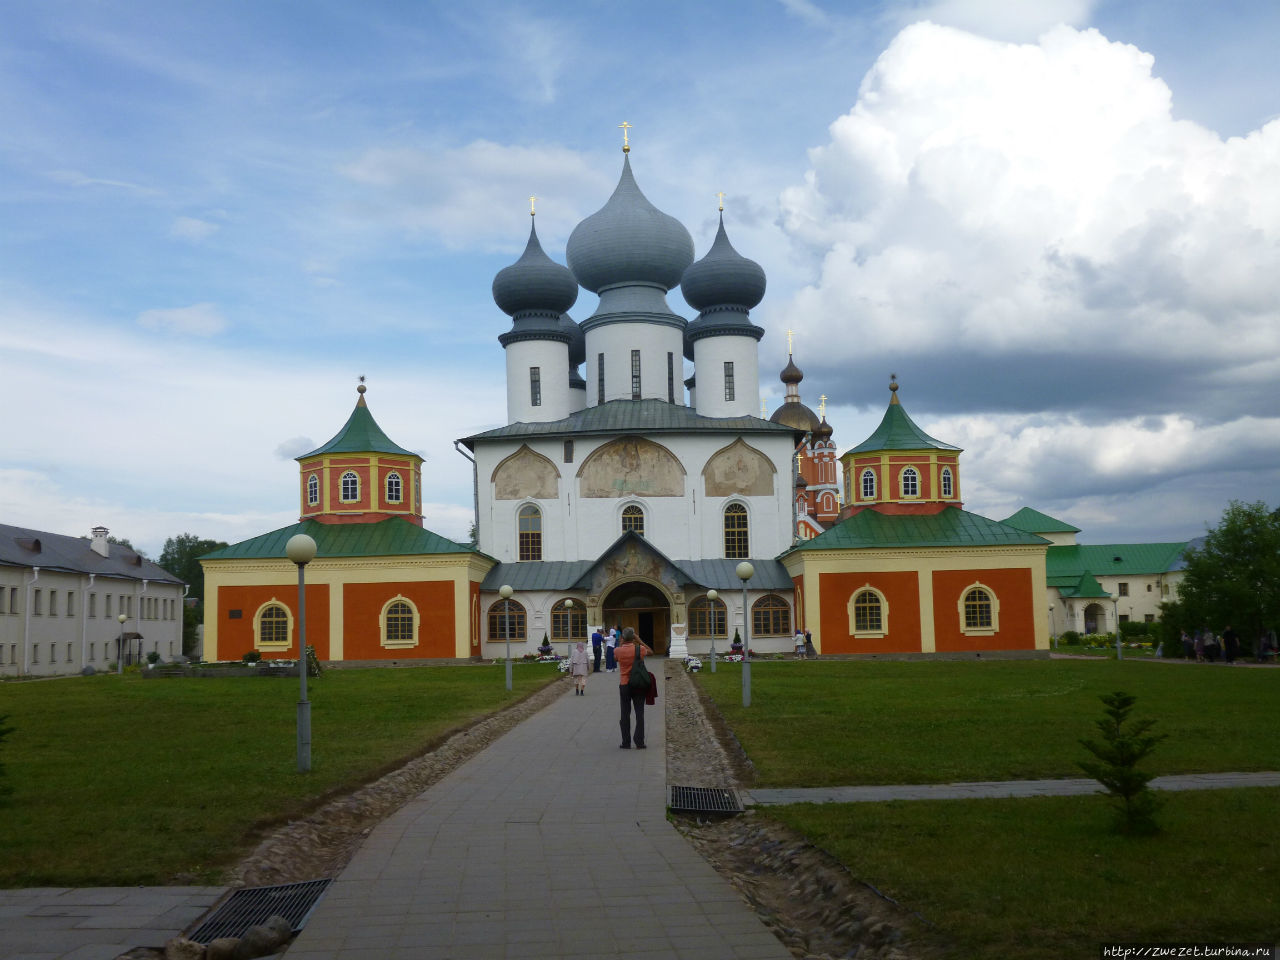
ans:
(120, 645)
(301, 549)
(745, 572)
(1115, 600)
(712, 597)
(505, 593)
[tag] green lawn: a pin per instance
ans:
(120, 780)
(831, 723)
(1038, 878)
(1042, 878)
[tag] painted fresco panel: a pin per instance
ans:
(524, 475)
(738, 470)
(1012, 586)
(631, 466)
(901, 589)
(362, 605)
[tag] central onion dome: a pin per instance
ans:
(723, 277)
(535, 282)
(629, 240)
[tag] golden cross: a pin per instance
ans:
(532, 211)
(790, 335)
(762, 416)
(822, 406)
(721, 196)
(798, 458)
(626, 144)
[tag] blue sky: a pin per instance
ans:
(1058, 223)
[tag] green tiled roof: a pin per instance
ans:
(392, 537)
(1081, 586)
(897, 431)
(951, 527)
(1033, 521)
(1108, 559)
(360, 434)
(632, 416)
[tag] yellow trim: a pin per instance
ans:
(382, 624)
(258, 642)
(884, 612)
(995, 611)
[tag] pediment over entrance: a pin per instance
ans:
(633, 558)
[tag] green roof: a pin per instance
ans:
(360, 434)
(1068, 562)
(1033, 521)
(897, 431)
(392, 537)
(1082, 586)
(952, 527)
(633, 416)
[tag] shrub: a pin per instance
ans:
(1118, 756)
(253, 656)
(153, 657)
(1070, 636)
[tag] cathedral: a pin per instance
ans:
(620, 493)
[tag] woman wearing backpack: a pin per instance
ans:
(628, 651)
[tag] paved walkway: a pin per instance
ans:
(550, 843)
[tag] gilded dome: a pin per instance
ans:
(796, 415)
(628, 240)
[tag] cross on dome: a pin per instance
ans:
(626, 144)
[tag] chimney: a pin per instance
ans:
(99, 544)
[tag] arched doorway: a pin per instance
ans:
(1094, 618)
(643, 607)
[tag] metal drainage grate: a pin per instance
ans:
(251, 906)
(703, 800)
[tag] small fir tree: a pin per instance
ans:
(1118, 755)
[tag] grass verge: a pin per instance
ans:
(122, 781)
(833, 723)
(1042, 878)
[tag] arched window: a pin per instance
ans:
(350, 487)
(910, 482)
(506, 622)
(979, 610)
(947, 484)
(530, 533)
(633, 519)
(770, 617)
(868, 484)
(736, 540)
(273, 625)
(867, 613)
(708, 618)
(313, 490)
(569, 623)
(399, 623)
(394, 487)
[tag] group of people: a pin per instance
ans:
(621, 649)
(1207, 647)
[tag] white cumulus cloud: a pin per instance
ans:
(192, 228)
(199, 320)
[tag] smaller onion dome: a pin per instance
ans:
(534, 282)
(796, 415)
(824, 430)
(790, 374)
(723, 277)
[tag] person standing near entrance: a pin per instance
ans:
(628, 649)
(610, 645)
(597, 646)
(578, 667)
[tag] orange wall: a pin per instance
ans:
(901, 590)
(235, 637)
(362, 605)
(1013, 589)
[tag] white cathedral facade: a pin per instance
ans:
(608, 498)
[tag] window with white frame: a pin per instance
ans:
(399, 623)
(868, 612)
(910, 481)
(948, 485)
(868, 484)
(979, 610)
(272, 626)
(350, 487)
(737, 541)
(313, 490)
(395, 488)
(708, 618)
